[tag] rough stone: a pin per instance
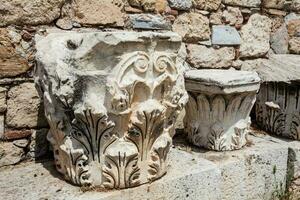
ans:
(203, 57)
(255, 36)
(149, 22)
(192, 27)
(94, 12)
(12, 61)
(295, 6)
(215, 18)
(293, 27)
(3, 105)
(225, 35)
(180, 5)
(2, 126)
(24, 109)
(10, 154)
(280, 40)
(27, 12)
(233, 16)
(16, 134)
(278, 4)
(111, 113)
(294, 45)
(210, 5)
(244, 3)
(290, 17)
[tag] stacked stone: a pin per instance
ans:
(216, 33)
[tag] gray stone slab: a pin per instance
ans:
(225, 35)
(148, 22)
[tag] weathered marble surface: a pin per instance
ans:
(257, 172)
(111, 99)
(277, 109)
(217, 114)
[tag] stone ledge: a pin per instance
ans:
(256, 172)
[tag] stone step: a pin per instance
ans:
(259, 171)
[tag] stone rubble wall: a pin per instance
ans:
(216, 33)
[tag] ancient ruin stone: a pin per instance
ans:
(244, 3)
(225, 35)
(210, 5)
(293, 27)
(217, 114)
(233, 16)
(278, 109)
(12, 61)
(23, 107)
(280, 40)
(111, 100)
(294, 45)
(255, 36)
(180, 5)
(205, 57)
(295, 6)
(149, 22)
(29, 12)
(192, 27)
(3, 105)
(10, 154)
(94, 12)
(278, 4)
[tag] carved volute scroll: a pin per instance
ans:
(277, 109)
(111, 101)
(217, 114)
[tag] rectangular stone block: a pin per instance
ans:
(225, 35)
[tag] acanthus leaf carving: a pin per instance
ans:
(111, 113)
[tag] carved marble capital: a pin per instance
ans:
(277, 109)
(220, 101)
(111, 101)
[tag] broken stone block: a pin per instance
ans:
(278, 109)
(295, 5)
(149, 22)
(27, 12)
(209, 5)
(94, 12)
(294, 45)
(225, 35)
(180, 5)
(111, 100)
(3, 105)
(243, 3)
(2, 126)
(200, 56)
(10, 154)
(192, 27)
(233, 16)
(217, 114)
(280, 40)
(24, 109)
(255, 36)
(277, 4)
(13, 62)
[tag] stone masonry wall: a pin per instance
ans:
(217, 34)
